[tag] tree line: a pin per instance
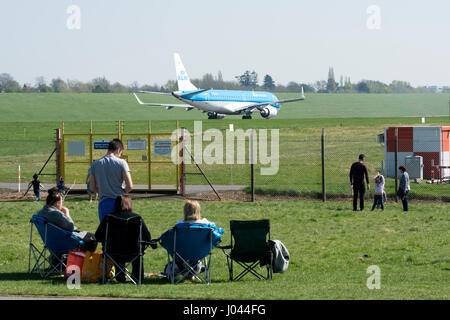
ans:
(246, 81)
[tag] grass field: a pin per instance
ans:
(102, 107)
(331, 248)
(29, 144)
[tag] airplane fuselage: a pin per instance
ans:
(225, 101)
(218, 103)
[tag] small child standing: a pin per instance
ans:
(37, 186)
(379, 191)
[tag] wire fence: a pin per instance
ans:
(319, 168)
(300, 162)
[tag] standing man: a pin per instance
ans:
(107, 175)
(404, 187)
(359, 172)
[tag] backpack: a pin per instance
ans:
(281, 256)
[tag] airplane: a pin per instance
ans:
(218, 103)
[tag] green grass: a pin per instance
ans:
(352, 122)
(30, 143)
(96, 106)
(331, 248)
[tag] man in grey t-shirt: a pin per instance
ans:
(107, 175)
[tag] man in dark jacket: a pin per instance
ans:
(124, 240)
(359, 172)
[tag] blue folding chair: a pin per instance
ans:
(187, 244)
(56, 240)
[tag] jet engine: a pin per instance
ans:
(269, 112)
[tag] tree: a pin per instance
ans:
(100, 85)
(331, 84)
(77, 86)
(59, 85)
(8, 84)
(120, 88)
(207, 81)
(269, 84)
(320, 86)
(307, 87)
(362, 87)
(401, 87)
(219, 76)
(293, 87)
(248, 79)
(42, 86)
(171, 86)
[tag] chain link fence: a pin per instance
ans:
(308, 163)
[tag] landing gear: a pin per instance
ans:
(215, 115)
(247, 116)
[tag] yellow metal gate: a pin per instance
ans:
(148, 154)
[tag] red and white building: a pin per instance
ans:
(432, 143)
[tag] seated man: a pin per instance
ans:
(123, 209)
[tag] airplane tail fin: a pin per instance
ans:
(184, 84)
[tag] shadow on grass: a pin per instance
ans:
(23, 276)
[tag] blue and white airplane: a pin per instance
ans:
(218, 103)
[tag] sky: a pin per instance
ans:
(296, 40)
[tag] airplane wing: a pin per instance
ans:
(259, 106)
(168, 106)
(156, 92)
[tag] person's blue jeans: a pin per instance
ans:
(37, 193)
(378, 200)
(105, 207)
(405, 201)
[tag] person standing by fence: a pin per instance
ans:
(37, 186)
(359, 173)
(106, 176)
(404, 187)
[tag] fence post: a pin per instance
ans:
(432, 171)
(396, 163)
(324, 192)
(252, 168)
(182, 173)
(58, 154)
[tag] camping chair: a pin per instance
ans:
(187, 244)
(123, 245)
(249, 247)
(56, 240)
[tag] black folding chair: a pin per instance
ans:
(123, 246)
(249, 248)
(56, 241)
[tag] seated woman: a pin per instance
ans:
(58, 215)
(123, 209)
(192, 216)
